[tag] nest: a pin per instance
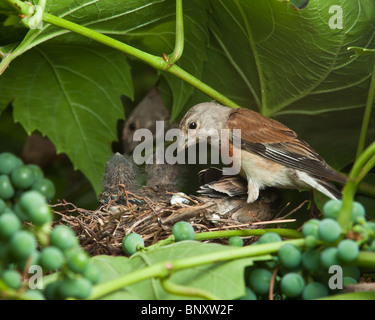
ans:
(101, 231)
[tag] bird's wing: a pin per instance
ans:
(272, 140)
(215, 184)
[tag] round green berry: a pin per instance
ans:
(314, 290)
(249, 295)
(22, 244)
(289, 256)
(358, 211)
(46, 187)
(6, 188)
(329, 230)
(51, 258)
(79, 288)
(12, 278)
(131, 243)
(35, 207)
(311, 260)
(77, 260)
(9, 224)
(21, 213)
(22, 177)
(329, 257)
(34, 294)
(269, 237)
(52, 290)
(259, 281)
(40, 215)
(348, 280)
(348, 250)
(311, 241)
(63, 237)
(31, 260)
(371, 225)
(30, 199)
(292, 285)
(235, 241)
(183, 230)
(92, 273)
(331, 209)
(351, 271)
(8, 162)
(37, 171)
(310, 227)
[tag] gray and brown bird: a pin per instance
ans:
(270, 154)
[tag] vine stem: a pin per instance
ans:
(179, 43)
(177, 289)
(364, 163)
(285, 233)
(367, 114)
(154, 61)
(165, 269)
(366, 259)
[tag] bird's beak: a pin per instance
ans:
(182, 143)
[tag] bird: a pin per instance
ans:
(270, 154)
(144, 116)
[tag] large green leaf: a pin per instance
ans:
(222, 279)
(286, 55)
(72, 95)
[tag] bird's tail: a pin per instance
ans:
(321, 185)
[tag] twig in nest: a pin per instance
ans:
(294, 210)
(272, 221)
(282, 210)
(187, 213)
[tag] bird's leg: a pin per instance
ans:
(252, 190)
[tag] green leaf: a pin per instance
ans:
(72, 95)
(286, 55)
(223, 279)
(366, 295)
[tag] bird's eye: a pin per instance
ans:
(132, 126)
(192, 125)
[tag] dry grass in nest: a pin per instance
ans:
(101, 231)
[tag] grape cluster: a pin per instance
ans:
(27, 238)
(303, 272)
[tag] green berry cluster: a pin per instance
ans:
(27, 238)
(16, 177)
(303, 272)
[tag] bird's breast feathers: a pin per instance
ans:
(264, 172)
